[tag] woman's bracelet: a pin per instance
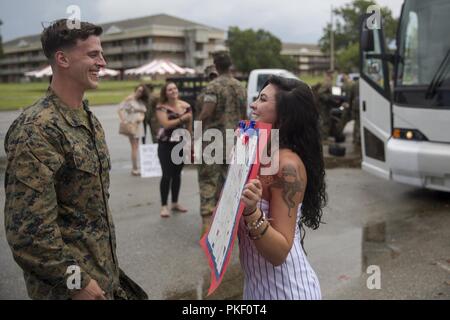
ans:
(255, 225)
(259, 236)
(249, 214)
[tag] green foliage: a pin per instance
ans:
(348, 58)
(259, 49)
(346, 32)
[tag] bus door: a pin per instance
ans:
(374, 100)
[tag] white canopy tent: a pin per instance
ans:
(159, 67)
(47, 72)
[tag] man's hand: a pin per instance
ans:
(91, 292)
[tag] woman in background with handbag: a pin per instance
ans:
(172, 113)
(132, 113)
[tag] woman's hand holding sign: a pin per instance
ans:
(251, 196)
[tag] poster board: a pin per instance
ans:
(218, 242)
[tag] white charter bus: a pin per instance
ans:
(405, 97)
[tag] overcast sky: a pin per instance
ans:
(290, 20)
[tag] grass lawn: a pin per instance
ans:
(18, 95)
(311, 80)
(14, 96)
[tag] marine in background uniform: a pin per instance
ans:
(224, 104)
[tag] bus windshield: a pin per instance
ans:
(423, 42)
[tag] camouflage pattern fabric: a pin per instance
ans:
(347, 112)
(229, 96)
(324, 102)
(150, 117)
(211, 180)
(56, 208)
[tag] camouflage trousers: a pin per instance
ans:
(211, 178)
(345, 118)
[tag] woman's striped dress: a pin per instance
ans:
(293, 280)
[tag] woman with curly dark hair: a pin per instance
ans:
(276, 206)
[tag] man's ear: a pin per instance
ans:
(61, 59)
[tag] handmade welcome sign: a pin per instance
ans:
(218, 242)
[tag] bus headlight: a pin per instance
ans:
(408, 134)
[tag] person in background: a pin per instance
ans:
(172, 113)
(347, 92)
(132, 111)
(150, 115)
(326, 103)
(210, 73)
(224, 105)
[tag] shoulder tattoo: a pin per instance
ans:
(290, 185)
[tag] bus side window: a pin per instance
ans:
(373, 67)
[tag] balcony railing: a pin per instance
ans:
(114, 64)
(20, 71)
(9, 60)
(201, 55)
(168, 47)
(38, 58)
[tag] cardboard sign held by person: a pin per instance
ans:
(218, 242)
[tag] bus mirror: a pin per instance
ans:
(374, 68)
(367, 42)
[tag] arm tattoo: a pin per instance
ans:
(290, 185)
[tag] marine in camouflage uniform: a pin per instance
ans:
(347, 90)
(229, 97)
(56, 210)
(324, 99)
(210, 73)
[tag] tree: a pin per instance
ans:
(259, 49)
(346, 32)
(348, 58)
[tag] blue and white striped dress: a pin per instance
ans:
(292, 280)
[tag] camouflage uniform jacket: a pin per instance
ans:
(56, 210)
(230, 98)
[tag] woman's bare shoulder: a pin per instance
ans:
(289, 160)
(184, 104)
